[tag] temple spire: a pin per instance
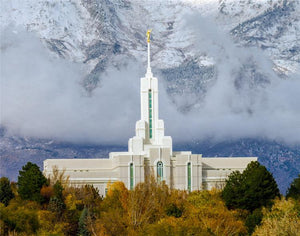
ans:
(149, 73)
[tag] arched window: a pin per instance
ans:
(160, 171)
(189, 177)
(131, 176)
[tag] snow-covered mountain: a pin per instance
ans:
(101, 33)
(96, 32)
(235, 61)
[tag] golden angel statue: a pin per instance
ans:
(148, 35)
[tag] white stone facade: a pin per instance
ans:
(150, 150)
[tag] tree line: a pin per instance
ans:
(249, 204)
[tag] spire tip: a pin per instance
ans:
(149, 74)
(148, 35)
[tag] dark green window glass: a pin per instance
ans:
(159, 171)
(131, 176)
(150, 112)
(189, 177)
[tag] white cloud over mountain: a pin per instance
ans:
(42, 95)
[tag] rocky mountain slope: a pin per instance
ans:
(98, 32)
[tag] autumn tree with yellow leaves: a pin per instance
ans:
(282, 219)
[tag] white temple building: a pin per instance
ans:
(150, 150)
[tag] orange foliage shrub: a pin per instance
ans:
(47, 192)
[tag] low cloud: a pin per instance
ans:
(247, 99)
(42, 96)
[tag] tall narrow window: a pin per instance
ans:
(131, 176)
(160, 171)
(150, 112)
(189, 177)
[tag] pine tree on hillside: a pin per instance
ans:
(252, 189)
(294, 189)
(6, 193)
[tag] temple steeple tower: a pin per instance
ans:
(149, 129)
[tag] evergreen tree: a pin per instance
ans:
(294, 189)
(6, 193)
(30, 182)
(252, 189)
(82, 226)
(261, 187)
(234, 187)
(253, 220)
(58, 190)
